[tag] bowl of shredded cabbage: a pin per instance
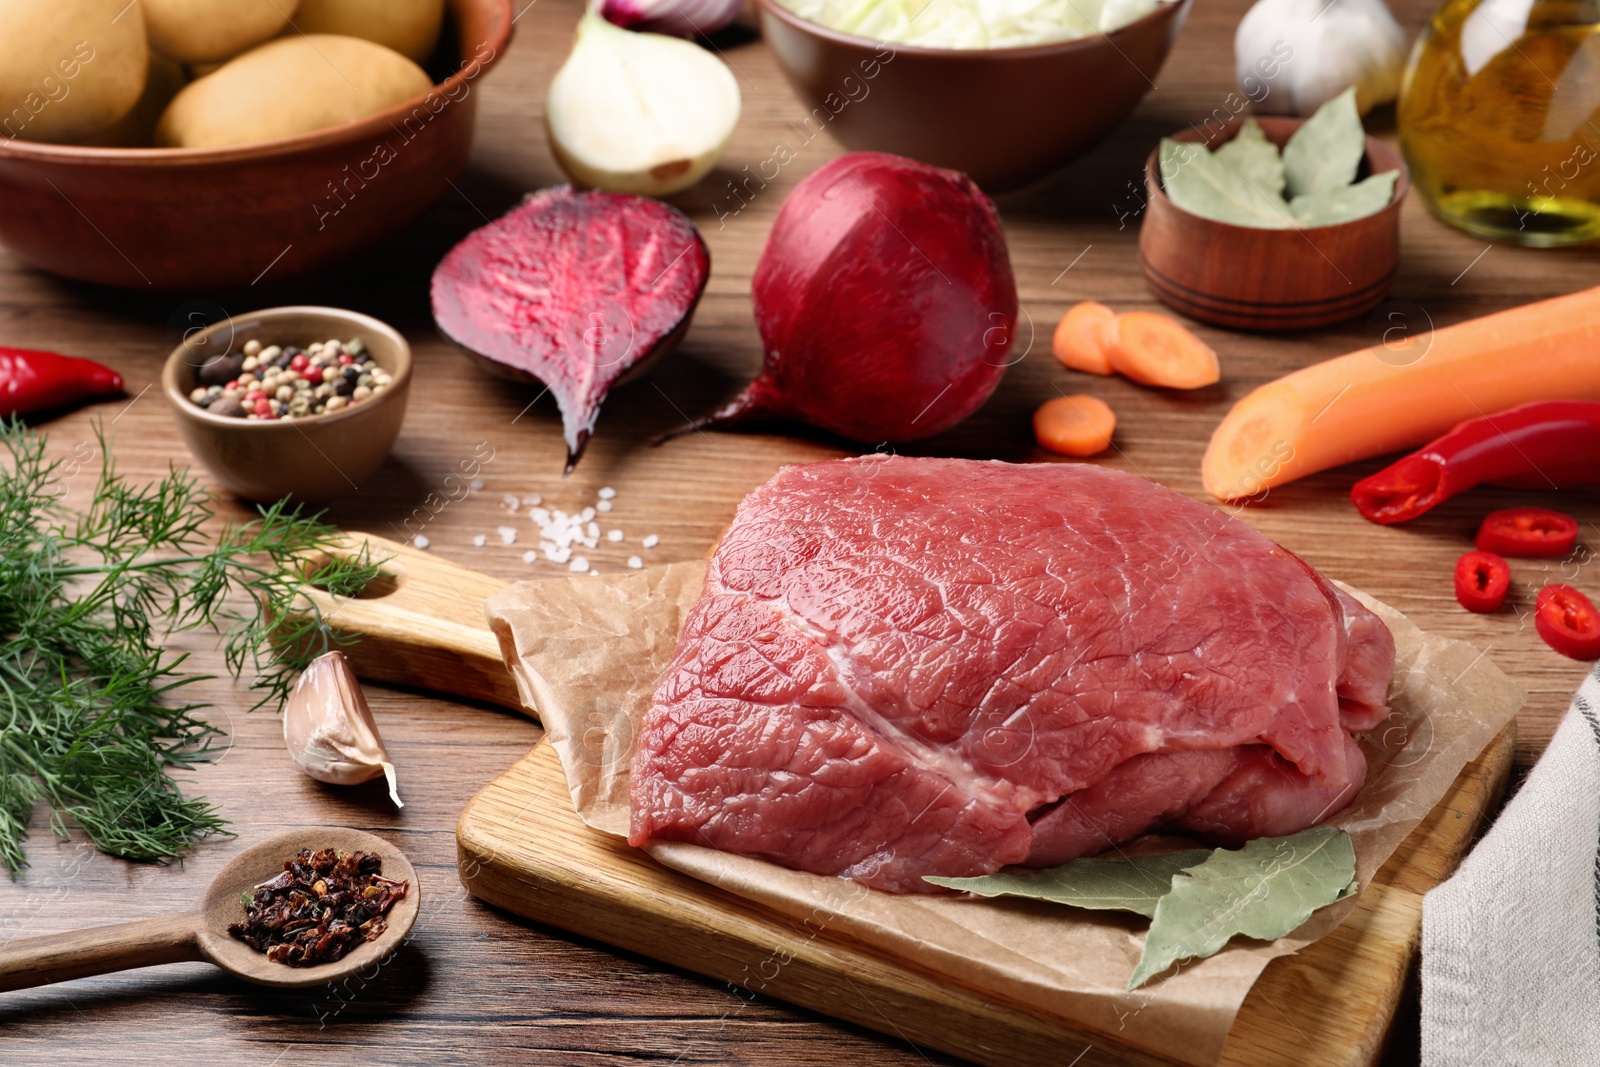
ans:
(1005, 90)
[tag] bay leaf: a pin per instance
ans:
(1196, 181)
(1264, 890)
(1121, 883)
(1326, 151)
(1258, 159)
(1347, 202)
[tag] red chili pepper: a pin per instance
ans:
(1549, 444)
(1482, 581)
(37, 381)
(1527, 533)
(1568, 622)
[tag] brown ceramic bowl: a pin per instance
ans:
(1005, 116)
(1245, 278)
(207, 217)
(313, 459)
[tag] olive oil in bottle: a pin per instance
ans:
(1499, 118)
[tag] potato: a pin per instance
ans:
(204, 31)
(137, 129)
(410, 27)
(290, 86)
(68, 68)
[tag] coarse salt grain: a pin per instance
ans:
(420, 541)
(651, 541)
(508, 535)
(634, 562)
(476, 485)
(561, 533)
(510, 502)
(479, 541)
(530, 556)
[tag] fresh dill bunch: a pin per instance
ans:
(92, 716)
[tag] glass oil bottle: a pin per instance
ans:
(1499, 118)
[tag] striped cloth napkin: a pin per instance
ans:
(1511, 943)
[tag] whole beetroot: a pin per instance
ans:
(885, 301)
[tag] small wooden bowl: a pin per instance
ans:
(312, 459)
(1245, 278)
(200, 218)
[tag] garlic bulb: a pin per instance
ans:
(1292, 56)
(639, 112)
(329, 729)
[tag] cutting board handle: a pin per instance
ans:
(421, 624)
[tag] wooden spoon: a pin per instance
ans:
(202, 932)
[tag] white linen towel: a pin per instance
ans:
(1511, 943)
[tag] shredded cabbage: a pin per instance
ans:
(972, 23)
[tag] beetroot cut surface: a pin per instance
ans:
(574, 290)
(885, 301)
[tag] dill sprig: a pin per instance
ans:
(92, 716)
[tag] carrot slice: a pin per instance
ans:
(1074, 425)
(1404, 392)
(1153, 349)
(1079, 338)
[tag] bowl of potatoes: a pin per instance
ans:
(212, 143)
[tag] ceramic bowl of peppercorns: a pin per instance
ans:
(301, 402)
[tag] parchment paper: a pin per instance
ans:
(586, 653)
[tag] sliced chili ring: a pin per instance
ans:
(1527, 533)
(1482, 581)
(1568, 622)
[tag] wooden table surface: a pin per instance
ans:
(476, 986)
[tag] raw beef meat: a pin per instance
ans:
(903, 667)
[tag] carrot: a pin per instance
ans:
(1390, 397)
(1074, 425)
(1078, 341)
(1153, 349)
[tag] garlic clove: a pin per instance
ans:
(1292, 56)
(329, 730)
(639, 112)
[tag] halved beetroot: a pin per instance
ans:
(573, 290)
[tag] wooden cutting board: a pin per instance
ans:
(522, 848)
